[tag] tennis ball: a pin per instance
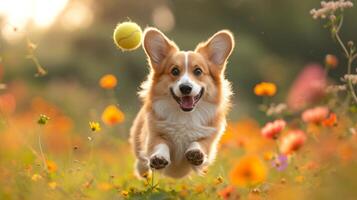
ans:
(127, 36)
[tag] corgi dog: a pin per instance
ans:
(185, 98)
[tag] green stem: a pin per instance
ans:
(350, 58)
(152, 179)
(41, 152)
(349, 66)
(342, 45)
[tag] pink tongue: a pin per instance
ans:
(187, 102)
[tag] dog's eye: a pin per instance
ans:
(197, 71)
(175, 71)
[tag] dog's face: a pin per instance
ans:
(188, 77)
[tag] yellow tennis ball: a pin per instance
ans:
(127, 36)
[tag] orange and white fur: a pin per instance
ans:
(185, 101)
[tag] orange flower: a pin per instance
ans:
(331, 61)
(112, 115)
(265, 89)
(108, 81)
(292, 141)
(272, 129)
(315, 115)
(51, 166)
(330, 121)
(200, 188)
(226, 193)
(250, 170)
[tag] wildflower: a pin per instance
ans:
(218, 180)
(112, 115)
(272, 129)
(350, 77)
(292, 141)
(108, 81)
(280, 163)
(315, 115)
(52, 185)
(36, 177)
(330, 121)
(250, 170)
(331, 61)
(226, 193)
(94, 126)
(200, 188)
(51, 166)
(328, 8)
(124, 193)
(350, 44)
(265, 89)
(43, 119)
(308, 87)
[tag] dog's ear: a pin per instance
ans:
(157, 46)
(218, 48)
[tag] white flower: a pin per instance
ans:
(328, 8)
(350, 77)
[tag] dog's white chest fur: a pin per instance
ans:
(183, 128)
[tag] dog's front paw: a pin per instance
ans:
(195, 156)
(158, 162)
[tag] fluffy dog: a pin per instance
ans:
(185, 102)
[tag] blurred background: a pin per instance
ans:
(275, 39)
(72, 41)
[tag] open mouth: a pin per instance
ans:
(187, 103)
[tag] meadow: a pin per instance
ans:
(64, 130)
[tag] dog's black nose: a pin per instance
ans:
(185, 89)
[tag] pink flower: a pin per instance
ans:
(292, 141)
(315, 115)
(272, 129)
(307, 88)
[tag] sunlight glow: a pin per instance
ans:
(42, 13)
(46, 12)
(77, 15)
